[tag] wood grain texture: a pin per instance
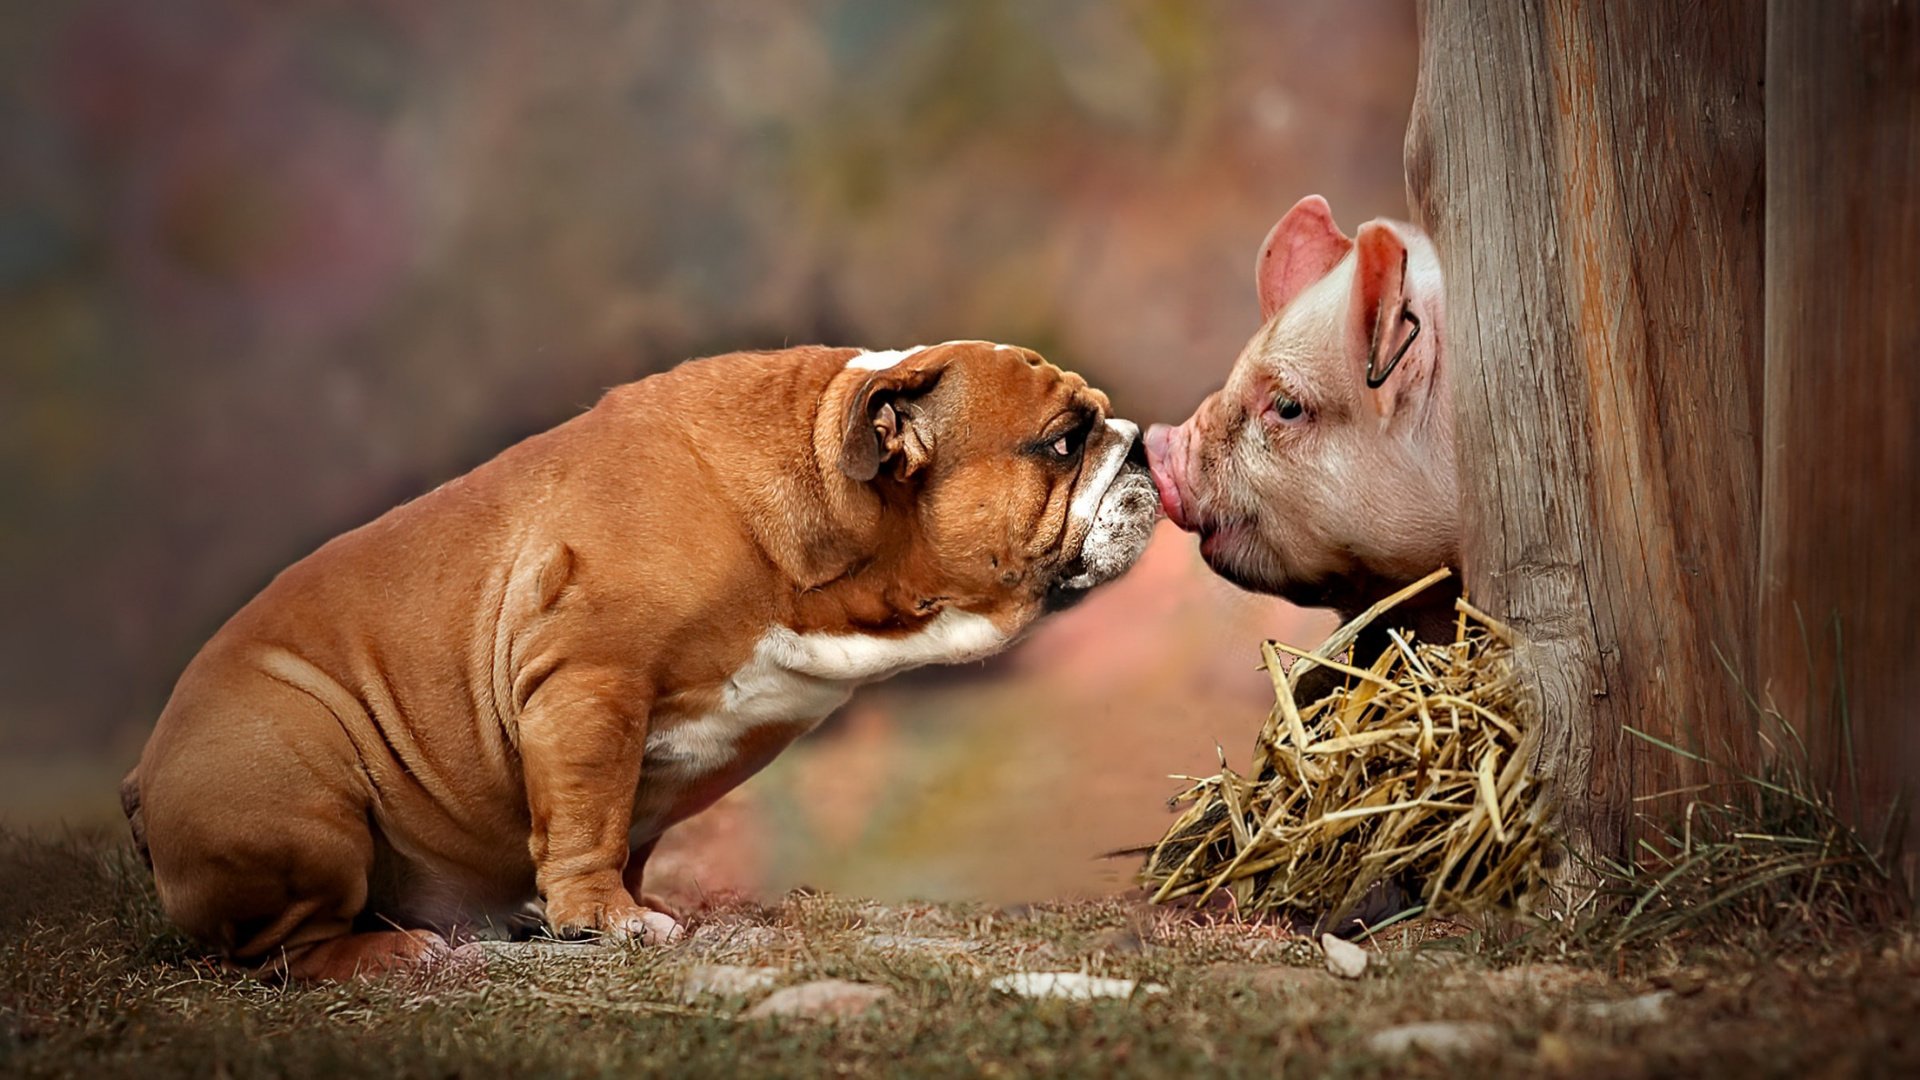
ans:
(1592, 175)
(1840, 539)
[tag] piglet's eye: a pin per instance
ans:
(1287, 408)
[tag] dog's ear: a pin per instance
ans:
(885, 424)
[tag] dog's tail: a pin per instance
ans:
(137, 821)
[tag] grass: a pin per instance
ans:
(1763, 858)
(93, 982)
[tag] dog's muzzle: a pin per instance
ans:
(1125, 506)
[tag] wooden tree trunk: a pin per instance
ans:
(1685, 349)
(1840, 533)
(1592, 175)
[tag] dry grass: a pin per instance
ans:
(1760, 858)
(93, 983)
(1417, 771)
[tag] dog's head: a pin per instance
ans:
(1006, 487)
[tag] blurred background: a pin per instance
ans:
(268, 269)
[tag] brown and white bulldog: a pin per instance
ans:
(506, 689)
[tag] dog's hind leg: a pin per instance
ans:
(256, 814)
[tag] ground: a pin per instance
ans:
(93, 983)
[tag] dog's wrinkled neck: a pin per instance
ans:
(886, 588)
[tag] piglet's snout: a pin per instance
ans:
(1167, 460)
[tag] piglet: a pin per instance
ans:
(1323, 470)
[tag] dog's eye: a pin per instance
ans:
(1068, 444)
(1287, 408)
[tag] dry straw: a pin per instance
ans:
(1416, 772)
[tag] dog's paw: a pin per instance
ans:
(366, 957)
(617, 916)
(652, 928)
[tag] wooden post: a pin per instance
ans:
(1840, 533)
(1592, 175)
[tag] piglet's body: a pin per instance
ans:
(1323, 470)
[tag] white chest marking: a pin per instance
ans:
(951, 637)
(794, 679)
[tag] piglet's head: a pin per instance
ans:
(1323, 469)
(1367, 281)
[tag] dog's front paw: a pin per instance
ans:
(654, 928)
(614, 915)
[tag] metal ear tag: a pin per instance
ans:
(1374, 382)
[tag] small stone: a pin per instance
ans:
(1441, 1038)
(1124, 941)
(727, 980)
(826, 999)
(734, 937)
(1644, 1009)
(1071, 985)
(536, 949)
(914, 943)
(1554, 1053)
(1344, 958)
(1686, 983)
(1266, 978)
(1542, 980)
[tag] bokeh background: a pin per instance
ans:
(268, 269)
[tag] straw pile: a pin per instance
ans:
(1415, 772)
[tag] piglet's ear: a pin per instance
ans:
(1375, 330)
(885, 425)
(1301, 249)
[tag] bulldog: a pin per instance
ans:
(503, 692)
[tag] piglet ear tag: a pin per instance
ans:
(1376, 371)
(1381, 323)
(1303, 248)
